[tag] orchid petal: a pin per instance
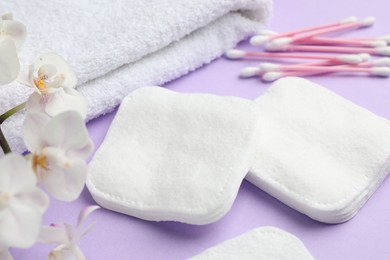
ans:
(66, 184)
(53, 234)
(68, 132)
(20, 176)
(15, 31)
(85, 213)
(66, 99)
(34, 127)
(20, 226)
(60, 64)
(22, 203)
(9, 62)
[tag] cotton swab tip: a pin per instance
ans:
(266, 66)
(364, 56)
(385, 38)
(350, 19)
(377, 43)
(281, 41)
(385, 51)
(351, 58)
(235, 54)
(382, 62)
(272, 76)
(268, 32)
(369, 21)
(249, 72)
(275, 47)
(381, 71)
(259, 40)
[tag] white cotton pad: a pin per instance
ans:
(265, 243)
(171, 156)
(318, 152)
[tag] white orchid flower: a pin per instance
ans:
(9, 62)
(22, 203)
(66, 237)
(14, 30)
(55, 84)
(59, 147)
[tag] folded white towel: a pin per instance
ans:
(265, 243)
(319, 153)
(171, 156)
(117, 46)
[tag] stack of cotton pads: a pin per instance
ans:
(319, 153)
(182, 157)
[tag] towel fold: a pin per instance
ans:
(117, 46)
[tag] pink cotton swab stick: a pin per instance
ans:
(364, 57)
(385, 38)
(381, 51)
(239, 54)
(369, 21)
(266, 35)
(359, 43)
(274, 75)
(376, 71)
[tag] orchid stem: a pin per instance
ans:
(4, 144)
(3, 141)
(12, 111)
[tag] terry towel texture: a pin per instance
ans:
(265, 243)
(172, 156)
(318, 152)
(117, 46)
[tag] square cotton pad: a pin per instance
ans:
(171, 156)
(266, 243)
(318, 152)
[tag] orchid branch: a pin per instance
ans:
(3, 143)
(11, 112)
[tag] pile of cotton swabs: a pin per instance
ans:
(356, 56)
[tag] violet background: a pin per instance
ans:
(366, 236)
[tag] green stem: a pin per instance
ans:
(12, 111)
(3, 143)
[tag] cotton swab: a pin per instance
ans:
(363, 57)
(358, 43)
(377, 71)
(369, 21)
(239, 54)
(381, 51)
(274, 75)
(266, 35)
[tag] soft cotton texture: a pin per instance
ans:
(171, 156)
(263, 243)
(318, 152)
(117, 46)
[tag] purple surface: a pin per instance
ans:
(366, 236)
